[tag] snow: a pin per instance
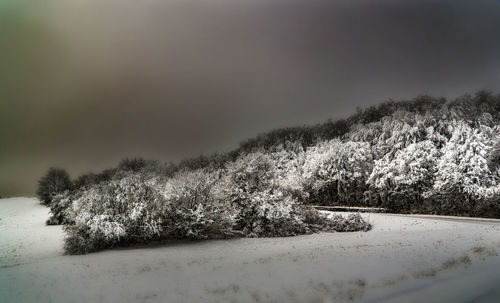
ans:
(402, 259)
(24, 237)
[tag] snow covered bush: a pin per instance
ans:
(247, 199)
(353, 222)
(54, 182)
(194, 211)
(266, 205)
(117, 212)
(271, 214)
(60, 205)
(137, 209)
(264, 209)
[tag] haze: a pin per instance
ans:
(84, 84)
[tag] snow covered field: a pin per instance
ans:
(403, 259)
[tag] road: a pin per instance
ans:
(482, 221)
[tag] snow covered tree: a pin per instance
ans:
(336, 171)
(494, 156)
(288, 170)
(423, 155)
(399, 179)
(262, 193)
(54, 182)
(249, 184)
(463, 178)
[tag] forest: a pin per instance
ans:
(427, 155)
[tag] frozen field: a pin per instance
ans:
(403, 259)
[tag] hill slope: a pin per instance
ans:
(421, 156)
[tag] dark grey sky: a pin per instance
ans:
(86, 83)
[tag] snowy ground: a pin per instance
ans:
(403, 259)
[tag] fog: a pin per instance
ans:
(84, 84)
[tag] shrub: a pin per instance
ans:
(245, 200)
(194, 210)
(115, 213)
(268, 214)
(139, 209)
(59, 207)
(266, 205)
(54, 182)
(353, 222)
(247, 185)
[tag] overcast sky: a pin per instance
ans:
(84, 84)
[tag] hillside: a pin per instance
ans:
(423, 156)
(426, 155)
